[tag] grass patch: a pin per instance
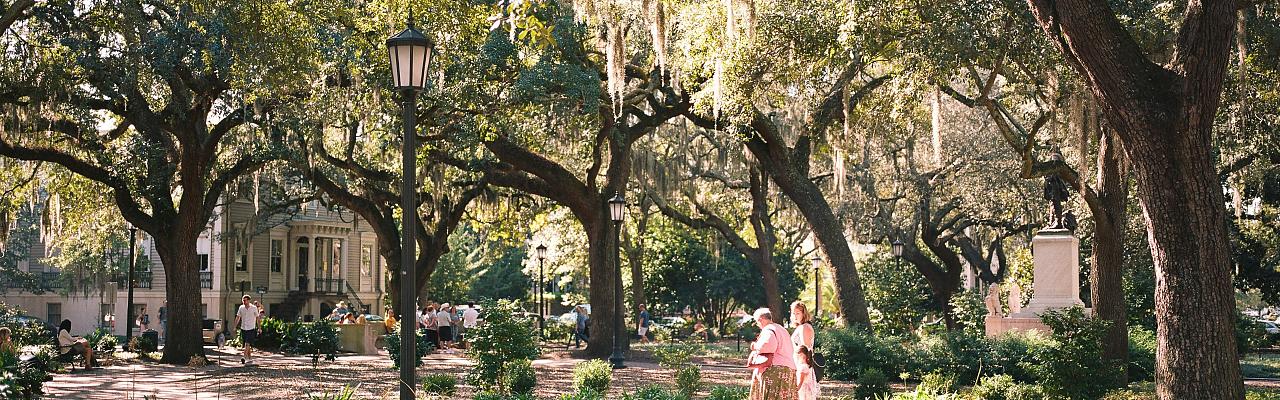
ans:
(1260, 366)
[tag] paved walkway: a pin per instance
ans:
(275, 376)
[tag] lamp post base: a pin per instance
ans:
(617, 360)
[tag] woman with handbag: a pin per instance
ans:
(773, 375)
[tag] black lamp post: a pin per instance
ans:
(617, 209)
(410, 57)
(817, 284)
(897, 252)
(542, 287)
(128, 330)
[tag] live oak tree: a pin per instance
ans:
(163, 105)
(1163, 114)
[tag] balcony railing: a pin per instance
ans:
(206, 280)
(141, 280)
(329, 285)
(51, 280)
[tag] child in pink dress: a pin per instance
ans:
(807, 383)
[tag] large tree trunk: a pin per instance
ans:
(604, 280)
(177, 252)
(1106, 279)
(1164, 117)
(827, 229)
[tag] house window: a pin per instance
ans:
(204, 261)
(277, 255)
(366, 260)
(54, 313)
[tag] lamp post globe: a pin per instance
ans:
(897, 248)
(410, 57)
(617, 210)
(409, 54)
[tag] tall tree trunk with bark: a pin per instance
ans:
(1106, 279)
(1164, 115)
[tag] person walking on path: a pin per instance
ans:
(470, 317)
(580, 326)
(642, 325)
(444, 327)
(164, 321)
(247, 320)
(773, 375)
(455, 321)
(427, 321)
(144, 319)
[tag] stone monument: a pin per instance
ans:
(1056, 279)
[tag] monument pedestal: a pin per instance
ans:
(1055, 285)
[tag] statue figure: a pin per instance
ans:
(1056, 192)
(993, 300)
(1015, 298)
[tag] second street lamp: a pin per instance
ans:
(542, 287)
(128, 330)
(410, 57)
(617, 210)
(817, 284)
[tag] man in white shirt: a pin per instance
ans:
(248, 322)
(469, 317)
(445, 326)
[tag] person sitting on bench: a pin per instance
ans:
(71, 346)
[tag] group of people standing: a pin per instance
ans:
(445, 326)
(782, 364)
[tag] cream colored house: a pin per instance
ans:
(298, 265)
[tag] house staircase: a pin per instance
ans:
(292, 305)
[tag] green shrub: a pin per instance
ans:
(675, 356)
(102, 340)
(592, 375)
(1249, 335)
(872, 384)
(517, 377)
(1013, 353)
(935, 383)
(421, 348)
(728, 393)
(315, 339)
(961, 354)
(491, 395)
(502, 338)
(583, 394)
(1072, 366)
(849, 351)
(689, 380)
(969, 311)
(653, 392)
(1004, 387)
(271, 334)
(992, 387)
(440, 385)
(27, 333)
(1142, 354)
(20, 380)
(347, 393)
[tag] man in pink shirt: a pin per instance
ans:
(772, 362)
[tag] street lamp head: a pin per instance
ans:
(897, 248)
(542, 251)
(410, 53)
(617, 208)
